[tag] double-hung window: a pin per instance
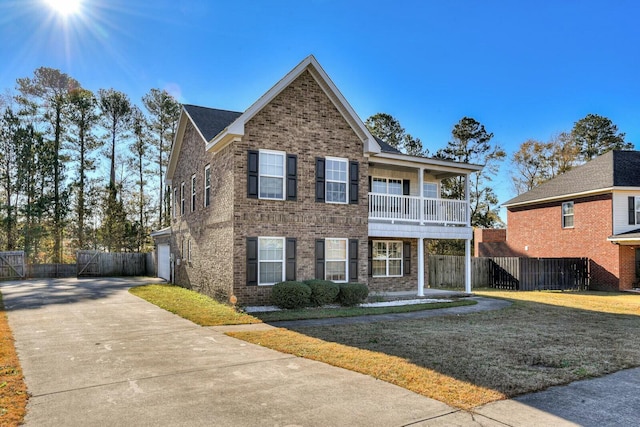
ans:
(637, 206)
(270, 260)
(430, 190)
(182, 198)
(336, 260)
(271, 177)
(386, 186)
(567, 215)
(175, 202)
(207, 185)
(336, 180)
(193, 193)
(387, 258)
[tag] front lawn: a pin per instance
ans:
(13, 391)
(543, 339)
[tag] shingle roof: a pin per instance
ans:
(612, 169)
(386, 148)
(210, 121)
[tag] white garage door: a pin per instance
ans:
(164, 262)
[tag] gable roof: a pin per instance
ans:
(386, 148)
(210, 121)
(613, 169)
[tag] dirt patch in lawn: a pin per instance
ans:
(526, 347)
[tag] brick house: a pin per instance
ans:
(591, 211)
(294, 188)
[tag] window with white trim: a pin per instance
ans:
(270, 260)
(175, 203)
(386, 186)
(637, 203)
(387, 258)
(336, 180)
(207, 185)
(271, 174)
(567, 215)
(335, 253)
(430, 190)
(182, 198)
(189, 250)
(193, 192)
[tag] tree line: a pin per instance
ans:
(55, 199)
(54, 135)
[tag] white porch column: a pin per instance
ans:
(420, 267)
(467, 266)
(467, 199)
(421, 194)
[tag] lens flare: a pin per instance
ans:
(65, 7)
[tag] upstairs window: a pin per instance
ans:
(207, 186)
(193, 193)
(567, 215)
(430, 190)
(386, 186)
(182, 198)
(175, 202)
(271, 177)
(336, 180)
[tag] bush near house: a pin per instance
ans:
(352, 293)
(323, 292)
(291, 294)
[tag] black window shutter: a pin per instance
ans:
(353, 260)
(632, 210)
(320, 259)
(290, 273)
(253, 160)
(369, 183)
(370, 256)
(406, 255)
(320, 177)
(292, 177)
(252, 261)
(405, 187)
(354, 180)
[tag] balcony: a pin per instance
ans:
(417, 210)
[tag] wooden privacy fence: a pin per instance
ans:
(89, 263)
(510, 273)
(96, 263)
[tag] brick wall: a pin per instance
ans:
(209, 229)
(301, 120)
(538, 233)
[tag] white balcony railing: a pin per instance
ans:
(421, 210)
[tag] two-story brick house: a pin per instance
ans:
(591, 211)
(294, 188)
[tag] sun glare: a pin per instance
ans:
(65, 7)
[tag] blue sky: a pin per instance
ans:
(525, 69)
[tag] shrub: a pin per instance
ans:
(323, 291)
(290, 294)
(352, 293)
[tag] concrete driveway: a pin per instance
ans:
(93, 354)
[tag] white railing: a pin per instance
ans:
(420, 210)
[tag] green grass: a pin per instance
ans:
(193, 306)
(324, 313)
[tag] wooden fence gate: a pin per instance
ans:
(12, 265)
(96, 263)
(87, 263)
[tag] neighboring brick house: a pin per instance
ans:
(296, 188)
(591, 211)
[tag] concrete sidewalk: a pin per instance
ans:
(93, 354)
